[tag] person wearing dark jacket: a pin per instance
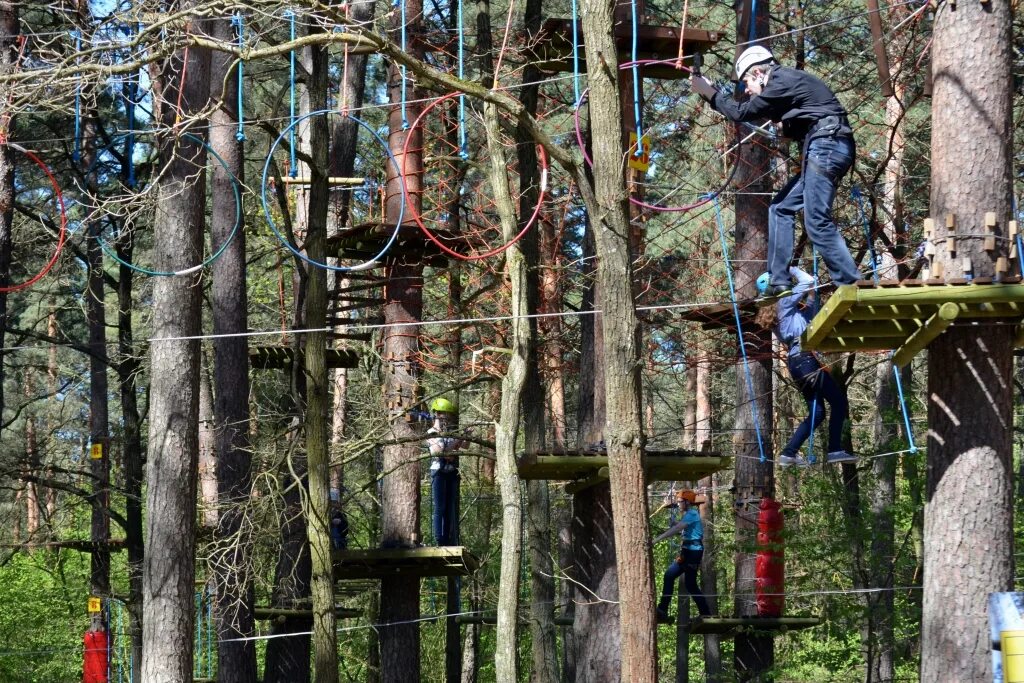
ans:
(788, 319)
(809, 113)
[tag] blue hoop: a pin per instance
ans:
(366, 265)
(112, 253)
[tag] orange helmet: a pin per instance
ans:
(687, 495)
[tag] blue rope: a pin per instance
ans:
(463, 147)
(639, 150)
(811, 458)
(739, 328)
(874, 273)
(751, 30)
(236, 21)
(405, 117)
(293, 170)
(575, 55)
(76, 155)
(1020, 242)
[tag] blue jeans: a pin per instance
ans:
(818, 388)
(445, 488)
(686, 565)
(813, 191)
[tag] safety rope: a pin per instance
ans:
(638, 150)
(739, 326)
(463, 147)
(236, 21)
(76, 155)
(859, 196)
(293, 165)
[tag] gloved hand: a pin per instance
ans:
(799, 275)
(703, 87)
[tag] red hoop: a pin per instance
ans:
(63, 223)
(542, 159)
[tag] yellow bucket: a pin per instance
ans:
(1012, 646)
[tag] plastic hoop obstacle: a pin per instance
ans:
(366, 265)
(590, 163)
(62, 232)
(543, 161)
(112, 253)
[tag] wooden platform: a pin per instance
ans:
(382, 563)
(907, 316)
(590, 468)
(364, 241)
(553, 50)
(280, 357)
(728, 627)
(279, 614)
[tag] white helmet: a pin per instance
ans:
(752, 56)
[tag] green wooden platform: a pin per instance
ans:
(907, 316)
(379, 563)
(280, 357)
(586, 469)
(364, 241)
(728, 627)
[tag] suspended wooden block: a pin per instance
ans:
(280, 357)
(728, 627)
(380, 563)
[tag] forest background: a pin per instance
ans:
(89, 86)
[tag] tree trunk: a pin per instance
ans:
(506, 663)
(400, 486)
(8, 60)
(968, 537)
(207, 447)
(169, 569)
(128, 368)
(754, 480)
(608, 208)
(236, 659)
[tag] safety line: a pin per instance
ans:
(236, 21)
(739, 326)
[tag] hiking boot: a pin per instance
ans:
(792, 460)
(841, 456)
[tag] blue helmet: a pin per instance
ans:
(762, 283)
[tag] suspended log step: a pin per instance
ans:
(906, 317)
(586, 469)
(365, 241)
(332, 181)
(553, 49)
(280, 614)
(280, 357)
(412, 562)
(728, 627)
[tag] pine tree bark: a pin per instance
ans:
(623, 432)
(168, 569)
(400, 489)
(968, 536)
(754, 480)
(236, 658)
(8, 59)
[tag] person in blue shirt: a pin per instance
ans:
(687, 563)
(788, 318)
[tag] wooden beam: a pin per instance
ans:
(306, 180)
(574, 487)
(831, 313)
(878, 328)
(414, 562)
(728, 626)
(935, 326)
(852, 344)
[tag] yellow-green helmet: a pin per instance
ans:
(443, 405)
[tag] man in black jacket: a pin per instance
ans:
(809, 113)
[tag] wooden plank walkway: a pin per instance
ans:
(728, 627)
(907, 316)
(592, 467)
(380, 563)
